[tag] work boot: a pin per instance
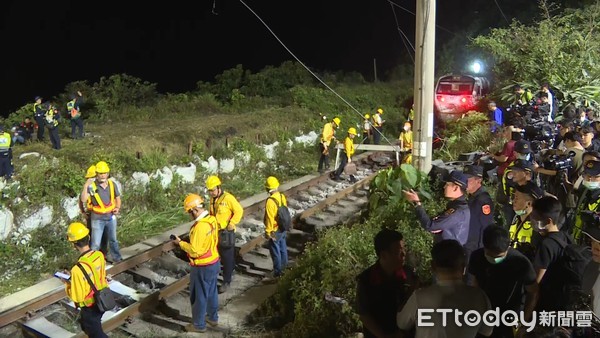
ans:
(223, 288)
(192, 328)
(211, 323)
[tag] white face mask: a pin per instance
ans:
(523, 157)
(591, 185)
(406, 128)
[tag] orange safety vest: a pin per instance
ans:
(211, 256)
(92, 262)
(99, 207)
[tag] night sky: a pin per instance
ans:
(48, 44)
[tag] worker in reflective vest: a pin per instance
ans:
(327, 136)
(205, 264)
(39, 115)
(6, 167)
(78, 289)
(377, 126)
(105, 200)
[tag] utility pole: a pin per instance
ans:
(424, 84)
(375, 68)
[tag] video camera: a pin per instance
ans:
(559, 162)
(541, 135)
(590, 218)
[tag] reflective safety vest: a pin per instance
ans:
(37, 109)
(95, 266)
(506, 188)
(580, 208)
(72, 109)
(328, 133)
(520, 232)
(376, 121)
(99, 207)
(5, 140)
(211, 238)
(50, 118)
(349, 147)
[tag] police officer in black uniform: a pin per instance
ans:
(39, 114)
(481, 208)
(452, 223)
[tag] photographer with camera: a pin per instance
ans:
(563, 168)
(589, 200)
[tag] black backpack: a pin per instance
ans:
(283, 216)
(572, 263)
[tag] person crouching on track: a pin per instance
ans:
(348, 152)
(205, 264)
(78, 288)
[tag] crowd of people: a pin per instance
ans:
(210, 247)
(533, 248)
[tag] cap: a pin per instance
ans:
(523, 147)
(592, 168)
(472, 170)
(531, 189)
(37, 98)
(522, 165)
(458, 178)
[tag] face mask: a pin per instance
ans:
(540, 226)
(591, 185)
(406, 128)
(520, 212)
(523, 157)
(495, 260)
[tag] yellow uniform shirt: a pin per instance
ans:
(227, 210)
(328, 133)
(406, 138)
(79, 289)
(349, 147)
(271, 211)
(204, 237)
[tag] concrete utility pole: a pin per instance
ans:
(424, 84)
(375, 68)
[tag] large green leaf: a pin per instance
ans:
(410, 176)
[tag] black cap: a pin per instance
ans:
(531, 189)
(522, 165)
(472, 170)
(523, 147)
(458, 178)
(592, 168)
(37, 98)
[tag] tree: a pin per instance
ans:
(558, 49)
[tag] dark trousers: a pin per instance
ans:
(324, 159)
(343, 162)
(377, 135)
(90, 320)
(54, 137)
(77, 124)
(6, 168)
(228, 262)
(366, 138)
(41, 122)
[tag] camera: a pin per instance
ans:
(590, 218)
(559, 162)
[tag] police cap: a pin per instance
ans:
(592, 168)
(472, 170)
(531, 189)
(523, 165)
(458, 178)
(523, 147)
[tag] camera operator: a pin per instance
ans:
(505, 191)
(587, 137)
(544, 108)
(522, 97)
(589, 200)
(565, 127)
(564, 170)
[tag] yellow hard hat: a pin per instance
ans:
(272, 183)
(91, 172)
(102, 168)
(367, 116)
(192, 201)
(337, 121)
(380, 111)
(77, 231)
(352, 131)
(212, 182)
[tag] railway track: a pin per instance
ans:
(151, 283)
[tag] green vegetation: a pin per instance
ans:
(556, 49)
(135, 129)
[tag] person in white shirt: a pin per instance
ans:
(546, 89)
(449, 292)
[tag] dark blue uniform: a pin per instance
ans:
(451, 224)
(482, 214)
